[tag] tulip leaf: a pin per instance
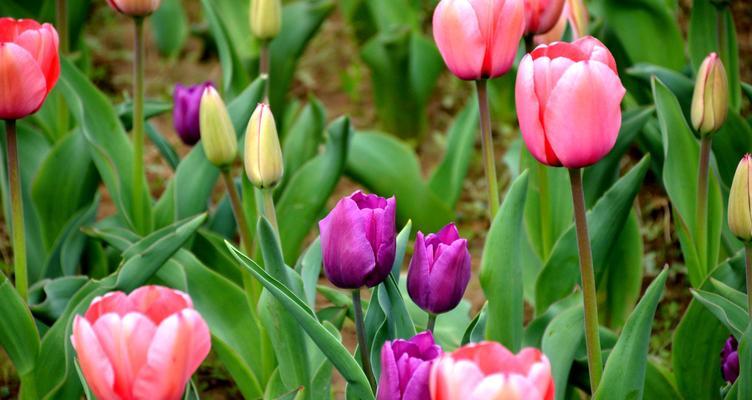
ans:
(310, 270)
(605, 222)
(48, 298)
(328, 343)
(169, 25)
(680, 179)
(624, 374)
(302, 140)
(561, 340)
(744, 382)
(65, 254)
(730, 144)
(734, 317)
(18, 334)
(737, 297)
(308, 190)
(223, 25)
(659, 382)
(501, 269)
(389, 167)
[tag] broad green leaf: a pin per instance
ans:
(66, 251)
(745, 364)
(310, 270)
(389, 14)
(223, 25)
(605, 222)
(389, 167)
(681, 85)
(561, 340)
(621, 285)
(737, 297)
(48, 298)
(18, 334)
(734, 317)
(501, 269)
(536, 328)
(624, 374)
(730, 144)
(328, 343)
(659, 382)
(152, 108)
(169, 25)
(301, 142)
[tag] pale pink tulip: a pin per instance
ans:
(568, 98)
(478, 38)
(541, 15)
(145, 345)
(487, 370)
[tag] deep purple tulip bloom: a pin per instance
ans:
(358, 240)
(730, 360)
(185, 112)
(406, 368)
(439, 270)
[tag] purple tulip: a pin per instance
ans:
(358, 240)
(406, 368)
(730, 360)
(439, 270)
(185, 113)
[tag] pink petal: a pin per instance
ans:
(503, 43)
(22, 84)
(459, 38)
(529, 113)
(596, 51)
(583, 114)
(159, 302)
(95, 366)
(113, 302)
(42, 44)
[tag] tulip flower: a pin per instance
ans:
(487, 370)
(29, 66)
(739, 206)
(710, 98)
(217, 133)
(575, 14)
(145, 345)
(406, 368)
(478, 39)
(439, 270)
(263, 155)
(730, 360)
(265, 18)
(568, 98)
(185, 113)
(134, 8)
(541, 15)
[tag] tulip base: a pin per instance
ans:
(360, 328)
(592, 338)
(16, 202)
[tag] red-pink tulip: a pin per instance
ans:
(478, 38)
(29, 66)
(568, 98)
(541, 15)
(134, 8)
(145, 345)
(487, 370)
(576, 14)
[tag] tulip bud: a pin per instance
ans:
(134, 8)
(730, 360)
(217, 134)
(541, 15)
(263, 156)
(710, 99)
(359, 240)
(739, 207)
(185, 112)
(265, 18)
(406, 367)
(439, 270)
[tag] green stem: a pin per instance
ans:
(16, 202)
(28, 385)
(138, 124)
(61, 22)
(360, 329)
(702, 203)
(748, 264)
(592, 339)
(269, 212)
(545, 209)
(486, 140)
(264, 68)
(431, 322)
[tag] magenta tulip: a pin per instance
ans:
(29, 66)
(145, 345)
(730, 360)
(478, 38)
(541, 15)
(439, 270)
(406, 367)
(185, 111)
(358, 240)
(568, 98)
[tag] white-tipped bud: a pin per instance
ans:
(217, 134)
(263, 156)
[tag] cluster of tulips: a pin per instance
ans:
(147, 344)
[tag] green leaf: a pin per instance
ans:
(624, 374)
(65, 255)
(681, 85)
(48, 298)
(228, 22)
(605, 222)
(734, 317)
(301, 142)
(561, 340)
(659, 382)
(328, 343)
(310, 270)
(18, 334)
(730, 144)
(501, 269)
(389, 167)
(745, 364)
(169, 25)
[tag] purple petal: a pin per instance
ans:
(347, 255)
(417, 387)
(418, 273)
(389, 379)
(449, 278)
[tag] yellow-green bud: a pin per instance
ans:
(217, 134)
(740, 201)
(263, 156)
(710, 99)
(265, 18)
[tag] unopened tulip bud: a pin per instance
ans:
(217, 134)
(263, 156)
(730, 360)
(266, 18)
(185, 112)
(710, 99)
(739, 208)
(134, 8)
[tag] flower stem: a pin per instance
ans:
(264, 68)
(17, 226)
(269, 212)
(360, 329)
(138, 125)
(486, 140)
(61, 22)
(748, 264)
(592, 339)
(431, 322)
(702, 204)
(545, 210)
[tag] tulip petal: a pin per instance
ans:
(93, 361)
(528, 114)
(417, 385)
(23, 87)
(389, 387)
(113, 302)
(418, 273)
(347, 254)
(159, 302)
(459, 38)
(596, 51)
(42, 44)
(449, 277)
(583, 114)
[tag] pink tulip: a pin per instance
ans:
(145, 345)
(541, 15)
(487, 370)
(568, 98)
(576, 14)
(134, 8)
(478, 38)
(29, 66)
